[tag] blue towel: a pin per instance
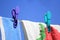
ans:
(10, 32)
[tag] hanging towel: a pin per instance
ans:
(48, 35)
(2, 32)
(32, 29)
(42, 32)
(54, 34)
(8, 32)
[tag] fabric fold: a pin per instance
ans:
(8, 32)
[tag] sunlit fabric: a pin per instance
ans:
(34, 31)
(8, 32)
(27, 30)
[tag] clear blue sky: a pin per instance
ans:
(33, 10)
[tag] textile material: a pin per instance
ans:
(32, 29)
(2, 32)
(48, 35)
(54, 34)
(42, 32)
(8, 32)
(27, 30)
(0, 35)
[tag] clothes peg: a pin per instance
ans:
(47, 20)
(14, 16)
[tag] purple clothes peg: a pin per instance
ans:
(14, 16)
(17, 9)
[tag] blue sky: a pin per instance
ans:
(33, 10)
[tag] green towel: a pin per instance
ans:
(42, 32)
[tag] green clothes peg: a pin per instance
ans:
(42, 32)
(47, 20)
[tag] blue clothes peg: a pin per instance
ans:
(14, 16)
(48, 20)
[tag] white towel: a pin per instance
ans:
(57, 27)
(32, 29)
(2, 32)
